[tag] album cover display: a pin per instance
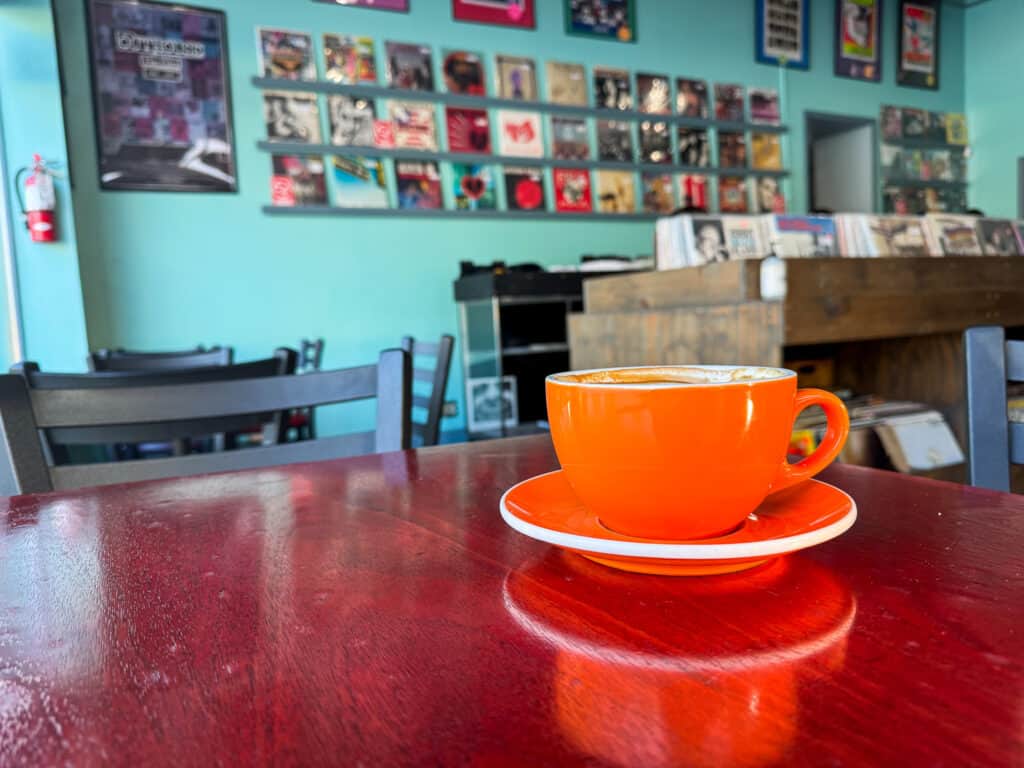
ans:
(615, 140)
(410, 66)
(616, 191)
(892, 122)
(605, 19)
(297, 180)
(286, 55)
(658, 192)
(936, 130)
(732, 150)
(766, 149)
(919, 44)
(653, 93)
(956, 128)
(859, 39)
(732, 194)
(519, 134)
(567, 83)
(570, 139)
(915, 123)
(291, 116)
(693, 192)
(517, 78)
(998, 237)
(359, 182)
(162, 123)
(692, 98)
(705, 241)
(469, 130)
(729, 102)
(693, 147)
(764, 106)
(524, 188)
(903, 201)
(505, 13)
(349, 59)
(473, 187)
(768, 196)
(953, 235)
(413, 124)
(804, 236)
(894, 236)
(572, 190)
(743, 239)
(352, 120)
(655, 142)
(463, 72)
(418, 184)
(612, 88)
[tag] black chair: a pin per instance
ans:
(124, 360)
(282, 363)
(311, 355)
(430, 403)
(301, 423)
(993, 442)
(173, 411)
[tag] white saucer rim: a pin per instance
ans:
(655, 551)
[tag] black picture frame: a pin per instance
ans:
(766, 50)
(918, 74)
(174, 166)
(375, 5)
(851, 63)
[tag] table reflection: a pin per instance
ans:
(653, 671)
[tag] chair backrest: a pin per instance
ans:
(311, 355)
(194, 408)
(124, 360)
(434, 378)
(993, 442)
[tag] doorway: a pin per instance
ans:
(841, 163)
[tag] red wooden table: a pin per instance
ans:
(377, 612)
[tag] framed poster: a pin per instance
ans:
(782, 33)
(604, 19)
(492, 403)
(162, 97)
(506, 13)
(859, 39)
(919, 44)
(402, 6)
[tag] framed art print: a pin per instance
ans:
(603, 19)
(402, 6)
(859, 39)
(162, 97)
(782, 33)
(506, 13)
(919, 44)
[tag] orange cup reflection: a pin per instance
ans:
(646, 674)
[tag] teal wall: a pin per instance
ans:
(995, 104)
(171, 270)
(33, 122)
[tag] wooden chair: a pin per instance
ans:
(282, 363)
(993, 442)
(430, 404)
(169, 412)
(124, 360)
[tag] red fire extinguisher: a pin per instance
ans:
(39, 202)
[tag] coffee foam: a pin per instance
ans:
(675, 374)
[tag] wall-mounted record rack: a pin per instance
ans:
(489, 102)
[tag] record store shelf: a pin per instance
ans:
(296, 148)
(462, 100)
(914, 143)
(448, 213)
(897, 181)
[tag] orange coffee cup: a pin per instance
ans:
(683, 452)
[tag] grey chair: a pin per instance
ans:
(282, 363)
(169, 412)
(993, 442)
(125, 360)
(431, 403)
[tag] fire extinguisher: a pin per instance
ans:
(39, 202)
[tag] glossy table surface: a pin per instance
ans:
(377, 611)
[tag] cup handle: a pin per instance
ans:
(831, 445)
